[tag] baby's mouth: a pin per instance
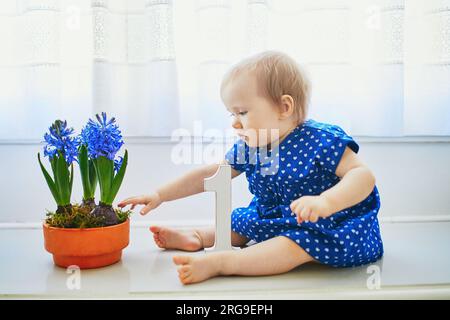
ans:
(241, 135)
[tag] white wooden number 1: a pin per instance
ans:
(220, 182)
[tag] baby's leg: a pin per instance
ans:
(191, 239)
(273, 256)
(207, 235)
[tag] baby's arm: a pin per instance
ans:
(190, 183)
(187, 185)
(357, 182)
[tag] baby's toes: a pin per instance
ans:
(157, 240)
(155, 229)
(181, 260)
(160, 243)
(187, 280)
(184, 272)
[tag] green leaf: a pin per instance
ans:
(53, 163)
(63, 183)
(55, 174)
(83, 163)
(117, 181)
(71, 180)
(92, 178)
(105, 172)
(50, 182)
(97, 171)
(110, 180)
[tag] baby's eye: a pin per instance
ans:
(243, 113)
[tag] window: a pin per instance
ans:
(379, 68)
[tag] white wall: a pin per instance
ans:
(413, 179)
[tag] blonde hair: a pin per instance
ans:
(277, 75)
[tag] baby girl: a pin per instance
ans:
(314, 201)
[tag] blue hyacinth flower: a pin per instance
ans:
(62, 151)
(59, 139)
(103, 140)
(102, 137)
(117, 164)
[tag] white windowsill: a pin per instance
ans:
(415, 265)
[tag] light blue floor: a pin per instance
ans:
(417, 260)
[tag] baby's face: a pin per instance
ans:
(254, 116)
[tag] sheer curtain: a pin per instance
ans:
(379, 67)
(72, 59)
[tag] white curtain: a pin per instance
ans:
(379, 67)
(72, 59)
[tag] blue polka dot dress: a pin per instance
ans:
(304, 163)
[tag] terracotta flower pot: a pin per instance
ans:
(87, 248)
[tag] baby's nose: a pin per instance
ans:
(236, 124)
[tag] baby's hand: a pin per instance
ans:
(150, 201)
(310, 208)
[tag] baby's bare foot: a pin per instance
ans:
(197, 269)
(168, 238)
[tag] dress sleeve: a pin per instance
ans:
(237, 156)
(332, 146)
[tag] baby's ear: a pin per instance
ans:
(286, 106)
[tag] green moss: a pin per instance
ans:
(80, 217)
